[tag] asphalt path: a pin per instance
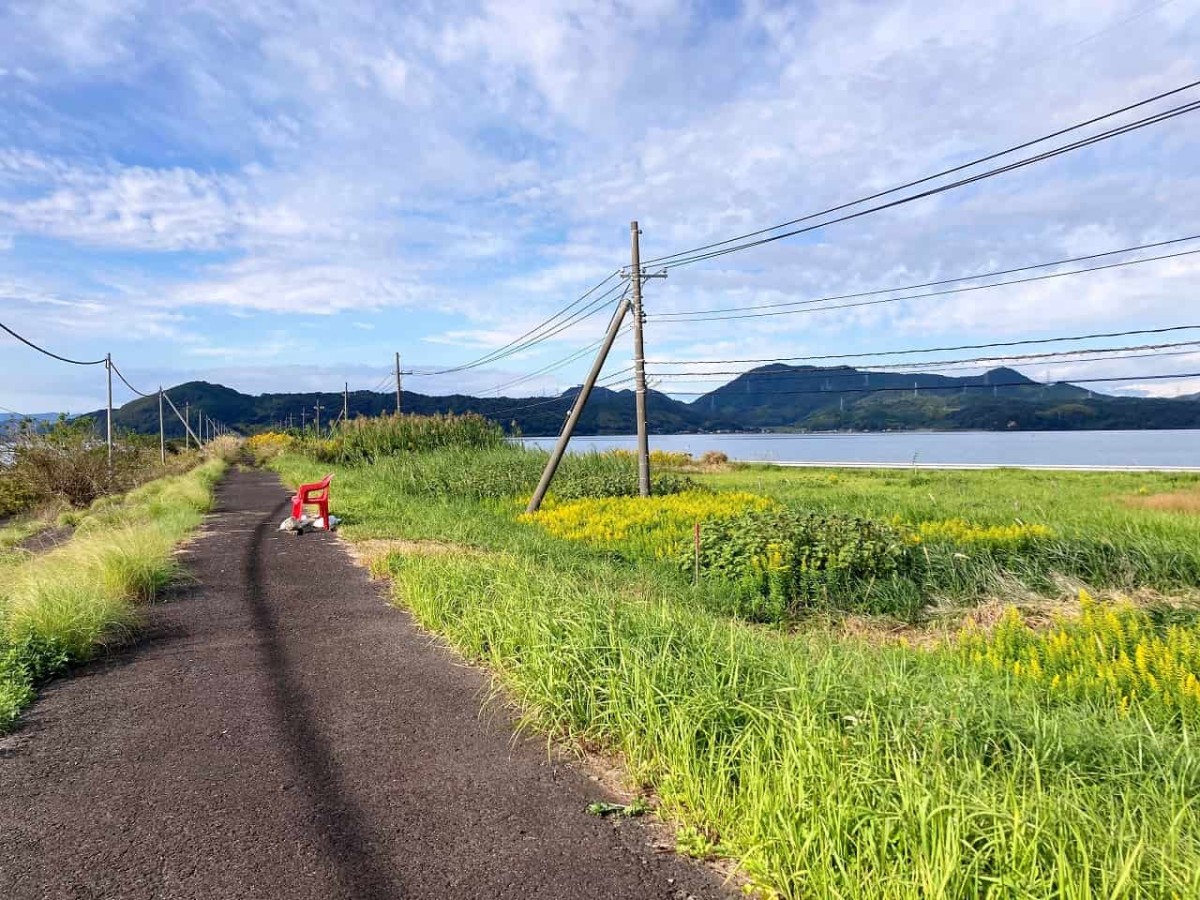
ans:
(279, 731)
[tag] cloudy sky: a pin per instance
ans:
(280, 194)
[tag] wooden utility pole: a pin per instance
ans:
(639, 362)
(108, 369)
(560, 448)
(162, 428)
(398, 401)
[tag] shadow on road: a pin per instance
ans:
(338, 822)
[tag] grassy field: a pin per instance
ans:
(58, 608)
(993, 759)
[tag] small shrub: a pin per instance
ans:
(612, 474)
(670, 458)
(785, 561)
(714, 458)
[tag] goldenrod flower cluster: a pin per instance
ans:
(653, 526)
(269, 444)
(960, 531)
(1112, 652)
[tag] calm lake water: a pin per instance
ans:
(1034, 449)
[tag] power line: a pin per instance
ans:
(1168, 329)
(950, 171)
(534, 338)
(948, 291)
(1052, 358)
(29, 343)
(959, 387)
(126, 381)
(709, 314)
(1049, 154)
(558, 364)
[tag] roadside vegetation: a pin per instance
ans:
(866, 684)
(59, 607)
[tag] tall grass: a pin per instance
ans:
(366, 439)
(829, 769)
(60, 607)
(827, 766)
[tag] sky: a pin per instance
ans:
(278, 195)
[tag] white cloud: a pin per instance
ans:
(472, 166)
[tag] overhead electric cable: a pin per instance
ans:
(1049, 154)
(532, 334)
(956, 387)
(126, 381)
(1167, 329)
(929, 365)
(947, 291)
(711, 314)
(924, 180)
(558, 364)
(43, 350)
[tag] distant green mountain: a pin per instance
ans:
(775, 397)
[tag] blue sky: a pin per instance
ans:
(279, 195)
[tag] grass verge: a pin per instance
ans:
(59, 608)
(826, 765)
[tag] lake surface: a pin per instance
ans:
(967, 449)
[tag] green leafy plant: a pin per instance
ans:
(785, 560)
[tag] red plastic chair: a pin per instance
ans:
(313, 495)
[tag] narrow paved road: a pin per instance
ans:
(283, 733)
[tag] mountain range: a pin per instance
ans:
(770, 398)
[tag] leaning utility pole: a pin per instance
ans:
(108, 369)
(560, 448)
(162, 429)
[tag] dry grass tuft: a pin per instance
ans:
(373, 554)
(1172, 501)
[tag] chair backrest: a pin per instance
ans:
(325, 481)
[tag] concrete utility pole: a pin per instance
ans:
(187, 426)
(318, 408)
(589, 383)
(162, 429)
(398, 401)
(639, 362)
(303, 418)
(346, 403)
(108, 369)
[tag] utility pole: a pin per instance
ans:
(318, 408)
(589, 383)
(303, 418)
(162, 429)
(346, 403)
(398, 401)
(108, 369)
(639, 362)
